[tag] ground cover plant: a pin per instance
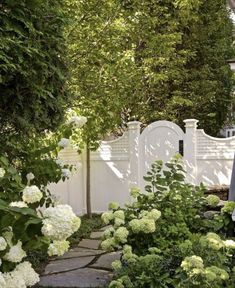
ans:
(166, 238)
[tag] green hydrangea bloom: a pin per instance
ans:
(192, 262)
(135, 191)
(108, 233)
(154, 214)
(121, 235)
(108, 244)
(212, 200)
(119, 214)
(116, 265)
(107, 217)
(113, 206)
(228, 207)
(212, 240)
(216, 272)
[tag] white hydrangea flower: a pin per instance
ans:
(121, 235)
(154, 214)
(31, 194)
(77, 121)
(118, 222)
(14, 279)
(192, 262)
(147, 225)
(58, 248)
(30, 176)
(108, 244)
(15, 254)
(2, 281)
(108, 233)
(119, 214)
(135, 225)
(2, 172)
(59, 162)
(3, 244)
(107, 217)
(64, 142)
(19, 204)
(28, 274)
(65, 173)
(59, 222)
(142, 225)
(230, 244)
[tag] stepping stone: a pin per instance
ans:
(80, 252)
(106, 260)
(67, 264)
(96, 235)
(80, 278)
(89, 243)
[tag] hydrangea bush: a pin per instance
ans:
(25, 226)
(30, 220)
(165, 238)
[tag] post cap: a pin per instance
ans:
(191, 123)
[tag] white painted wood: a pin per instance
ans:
(121, 164)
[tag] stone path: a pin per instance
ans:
(81, 267)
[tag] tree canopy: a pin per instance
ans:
(151, 60)
(32, 66)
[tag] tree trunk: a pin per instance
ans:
(88, 183)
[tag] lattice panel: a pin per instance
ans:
(109, 150)
(214, 147)
(69, 156)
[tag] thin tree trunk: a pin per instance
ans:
(88, 183)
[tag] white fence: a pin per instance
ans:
(120, 164)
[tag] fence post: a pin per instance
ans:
(134, 133)
(190, 150)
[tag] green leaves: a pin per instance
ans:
(33, 71)
(149, 60)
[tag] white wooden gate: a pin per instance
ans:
(160, 140)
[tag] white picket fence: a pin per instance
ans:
(120, 164)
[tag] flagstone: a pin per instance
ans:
(96, 235)
(89, 243)
(105, 261)
(68, 264)
(80, 252)
(80, 278)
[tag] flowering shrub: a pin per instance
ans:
(165, 239)
(25, 226)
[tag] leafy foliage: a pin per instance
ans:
(33, 69)
(165, 236)
(150, 60)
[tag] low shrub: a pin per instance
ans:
(26, 226)
(165, 238)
